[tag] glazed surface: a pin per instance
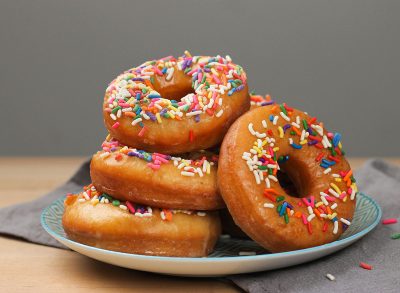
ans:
(148, 231)
(176, 105)
(272, 138)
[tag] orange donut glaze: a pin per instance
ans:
(176, 105)
(127, 227)
(272, 138)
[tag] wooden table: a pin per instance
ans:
(29, 267)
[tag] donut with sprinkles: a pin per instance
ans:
(285, 180)
(100, 220)
(176, 105)
(185, 182)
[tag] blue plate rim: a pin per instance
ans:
(225, 258)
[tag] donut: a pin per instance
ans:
(273, 144)
(187, 182)
(174, 105)
(259, 100)
(98, 220)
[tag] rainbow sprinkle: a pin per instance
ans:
(132, 94)
(90, 194)
(188, 167)
(263, 161)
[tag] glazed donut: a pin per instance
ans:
(259, 100)
(155, 179)
(272, 142)
(101, 221)
(175, 106)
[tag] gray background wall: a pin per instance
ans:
(336, 59)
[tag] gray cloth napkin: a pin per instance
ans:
(376, 178)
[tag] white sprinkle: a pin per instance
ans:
(119, 113)
(86, 196)
(81, 200)
(284, 116)
(330, 277)
(318, 129)
(113, 117)
(264, 124)
(353, 194)
(258, 180)
(334, 206)
(310, 217)
(245, 253)
(136, 121)
(261, 135)
(310, 210)
(170, 73)
(225, 236)
(189, 114)
(295, 125)
(123, 207)
(335, 227)
(303, 135)
(189, 174)
(290, 141)
(269, 205)
(343, 220)
(201, 214)
(327, 170)
(267, 183)
(298, 119)
(219, 114)
(200, 172)
(250, 127)
(162, 215)
(275, 120)
(334, 193)
(324, 200)
(145, 116)
(272, 177)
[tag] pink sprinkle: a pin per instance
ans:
(130, 207)
(305, 201)
(312, 199)
(329, 198)
(142, 131)
(153, 166)
(343, 195)
(304, 219)
(389, 221)
(115, 125)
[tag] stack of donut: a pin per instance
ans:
(159, 182)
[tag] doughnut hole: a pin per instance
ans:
(293, 178)
(175, 88)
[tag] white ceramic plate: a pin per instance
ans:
(225, 260)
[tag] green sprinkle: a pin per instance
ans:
(280, 198)
(262, 167)
(343, 153)
(116, 203)
(333, 152)
(187, 70)
(353, 179)
(292, 132)
(152, 79)
(275, 157)
(115, 110)
(144, 90)
(270, 171)
(253, 93)
(283, 109)
(286, 218)
(395, 236)
(107, 196)
(279, 208)
(305, 124)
